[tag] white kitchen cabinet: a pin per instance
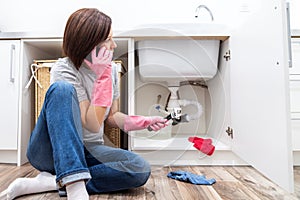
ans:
(295, 99)
(295, 94)
(10, 88)
(295, 115)
(260, 106)
(17, 105)
(256, 99)
(295, 131)
(17, 116)
(295, 69)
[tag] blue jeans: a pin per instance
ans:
(56, 146)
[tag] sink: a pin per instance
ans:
(177, 52)
(177, 60)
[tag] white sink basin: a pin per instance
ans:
(177, 60)
(176, 52)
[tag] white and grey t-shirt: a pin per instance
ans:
(83, 81)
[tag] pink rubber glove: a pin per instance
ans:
(203, 144)
(200, 140)
(101, 65)
(133, 123)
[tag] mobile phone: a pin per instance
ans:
(89, 56)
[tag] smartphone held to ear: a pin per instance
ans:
(89, 56)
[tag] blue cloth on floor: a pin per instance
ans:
(191, 178)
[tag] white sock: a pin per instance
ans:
(77, 190)
(41, 183)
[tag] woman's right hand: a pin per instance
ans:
(101, 65)
(101, 61)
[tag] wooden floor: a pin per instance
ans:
(233, 183)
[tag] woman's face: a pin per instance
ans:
(109, 43)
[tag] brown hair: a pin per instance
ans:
(85, 29)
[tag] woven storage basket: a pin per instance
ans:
(114, 134)
(42, 73)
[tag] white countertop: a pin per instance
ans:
(29, 35)
(118, 34)
(143, 33)
(138, 33)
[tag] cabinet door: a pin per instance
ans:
(295, 123)
(295, 111)
(295, 94)
(260, 111)
(9, 87)
(295, 69)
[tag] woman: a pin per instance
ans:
(67, 142)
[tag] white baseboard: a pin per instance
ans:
(8, 156)
(190, 157)
(296, 158)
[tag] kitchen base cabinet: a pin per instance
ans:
(296, 157)
(10, 89)
(17, 105)
(254, 70)
(295, 99)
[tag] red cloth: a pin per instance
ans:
(203, 144)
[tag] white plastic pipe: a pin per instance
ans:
(196, 115)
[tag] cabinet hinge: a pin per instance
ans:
(229, 132)
(227, 55)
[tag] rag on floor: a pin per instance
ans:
(191, 178)
(203, 144)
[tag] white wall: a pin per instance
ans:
(51, 16)
(295, 14)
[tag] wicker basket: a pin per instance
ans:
(114, 134)
(42, 83)
(42, 73)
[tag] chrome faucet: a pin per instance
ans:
(206, 8)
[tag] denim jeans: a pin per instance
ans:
(56, 146)
(114, 169)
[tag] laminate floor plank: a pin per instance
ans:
(208, 191)
(263, 187)
(41, 196)
(192, 191)
(233, 183)
(99, 196)
(227, 186)
(297, 181)
(150, 187)
(160, 185)
(241, 188)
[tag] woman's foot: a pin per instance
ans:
(77, 191)
(41, 183)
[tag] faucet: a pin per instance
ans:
(206, 8)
